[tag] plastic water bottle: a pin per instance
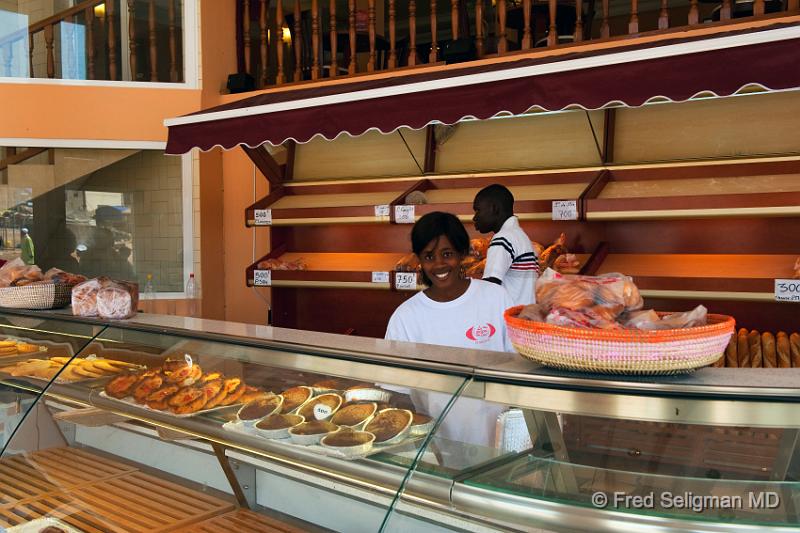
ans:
(149, 293)
(192, 294)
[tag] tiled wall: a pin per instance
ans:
(154, 182)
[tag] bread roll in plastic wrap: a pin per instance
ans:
(118, 299)
(84, 297)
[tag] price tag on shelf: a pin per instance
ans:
(787, 290)
(382, 210)
(263, 217)
(380, 277)
(405, 281)
(565, 210)
(404, 214)
(262, 278)
(322, 411)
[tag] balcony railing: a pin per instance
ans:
(287, 41)
(129, 40)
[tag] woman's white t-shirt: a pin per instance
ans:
(473, 320)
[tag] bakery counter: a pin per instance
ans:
(396, 436)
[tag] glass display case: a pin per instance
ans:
(172, 424)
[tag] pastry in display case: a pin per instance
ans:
(228, 428)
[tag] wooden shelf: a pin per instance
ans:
(97, 495)
(350, 202)
(743, 277)
(331, 270)
(751, 189)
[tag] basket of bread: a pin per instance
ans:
(26, 287)
(597, 324)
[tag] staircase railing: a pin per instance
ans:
(155, 51)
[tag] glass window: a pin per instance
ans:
(98, 212)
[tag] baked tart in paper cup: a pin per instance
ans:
(321, 407)
(311, 432)
(349, 443)
(277, 426)
(390, 426)
(367, 393)
(255, 410)
(421, 424)
(294, 397)
(355, 415)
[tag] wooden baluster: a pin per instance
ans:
(30, 56)
(88, 14)
(173, 47)
(526, 32)
(434, 55)
(297, 42)
(725, 11)
(48, 41)
(552, 32)
(578, 21)
(694, 13)
(479, 27)
(112, 40)
(279, 18)
(392, 36)
(633, 23)
(454, 17)
(132, 59)
(502, 43)
(758, 8)
(315, 39)
(663, 16)
(334, 38)
(262, 21)
(351, 5)
(246, 34)
(151, 21)
(371, 19)
(605, 32)
(412, 33)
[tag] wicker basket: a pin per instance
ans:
(620, 351)
(38, 296)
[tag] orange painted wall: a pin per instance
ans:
(243, 304)
(109, 113)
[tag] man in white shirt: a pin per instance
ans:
(510, 260)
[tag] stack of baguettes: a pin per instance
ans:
(751, 349)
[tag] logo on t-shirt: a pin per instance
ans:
(481, 333)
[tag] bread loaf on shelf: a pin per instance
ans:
(752, 349)
(768, 350)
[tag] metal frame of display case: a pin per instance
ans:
(711, 396)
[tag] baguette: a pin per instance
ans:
(784, 351)
(743, 349)
(730, 354)
(768, 351)
(756, 358)
(794, 344)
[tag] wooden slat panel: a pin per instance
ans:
(702, 186)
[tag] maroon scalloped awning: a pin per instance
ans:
(676, 70)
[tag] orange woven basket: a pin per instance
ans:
(626, 351)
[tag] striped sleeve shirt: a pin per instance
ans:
(511, 259)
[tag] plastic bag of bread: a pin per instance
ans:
(408, 263)
(606, 296)
(640, 319)
(10, 271)
(690, 319)
(587, 318)
(59, 276)
(535, 312)
(479, 247)
(118, 299)
(567, 264)
(84, 297)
